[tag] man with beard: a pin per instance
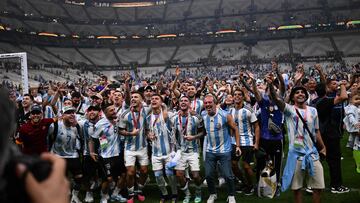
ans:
(188, 130)
(97, 100)
(67, 144)
(89, 165)
(132, 127)
(33, 135)
(107, 154)
(302, 122)
(196, 103)
(25, 108)
(158, 127)
(79, 105)
(217, 124)
(245, 120)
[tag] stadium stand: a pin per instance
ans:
(128, 56)
(68, 54)
(76, 12)
(198, 8)
(312, 46)
(235, 6)
(100, 56)
(176, 11)
(103, 13)
(48, 8)
(349, 45)
(188, 54)
(160, 55)
(270, 49)
(230, 51)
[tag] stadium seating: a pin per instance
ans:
(48, 8)
(349, 45)
(68, 54)
(312, 46)
(101, 13)
(76, 12)
(128, 56)
(266, 5)
(198, 8)
(45, 55)
(230, 51)
(176, 11)
(160, 55)
(100, 56)
(155, 12)
(235, 6)
(303, 4)
(48, 27)
(88, 29)
(126, 14)
(12, 23)
(189, 54)
(270, 49)
(25, 7)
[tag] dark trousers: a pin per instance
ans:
(333, 158)
(274, 150)
(211, 161)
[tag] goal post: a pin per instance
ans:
(24, 68)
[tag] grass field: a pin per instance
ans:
(351, 179)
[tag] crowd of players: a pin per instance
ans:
(111, 136)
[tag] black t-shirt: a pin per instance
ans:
(328, 121)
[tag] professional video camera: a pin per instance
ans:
(12, 187)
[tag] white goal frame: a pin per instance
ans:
(24, 68)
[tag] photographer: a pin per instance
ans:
(54, 188)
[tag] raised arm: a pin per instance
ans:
(203, 85)
(343, 94)
(127, 90)
(299, 74)
(279, 102)
(275, 68)
(321, 73)
(256, 92)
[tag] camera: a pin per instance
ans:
(12, 188)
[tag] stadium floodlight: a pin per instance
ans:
(24, 68)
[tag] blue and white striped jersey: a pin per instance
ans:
(49, 113)
(243, 119)
(107, 134)
(197, 105)
(128, 121)
(88, 129)
(67, 141)
(217, 132)
(188, 125)
(164, 137)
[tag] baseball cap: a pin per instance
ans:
(36, 108)
(98, 95)
(68, 108)
(92, 107)
(148, 88)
